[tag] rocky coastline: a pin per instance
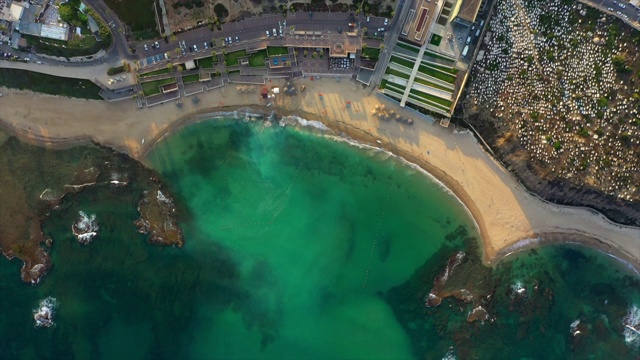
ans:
(28, 201)
(539, 181)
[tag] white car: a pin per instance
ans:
(268, 33)
(145, 47)
(386, 21)
(195, 48)
(368, 18)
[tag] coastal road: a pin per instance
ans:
(629, 14)
(390, 43)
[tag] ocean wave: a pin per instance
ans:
(303, 122)
(85, 228)
(631, 324)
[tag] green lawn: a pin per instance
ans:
(397, 73)
(406, 46)
(395, 87)
(435, 40)
(116, 70)
(447, 69)
(85, 46)
(437, 74)
(191, 78)
(401, 61)
(156, 72)
(258, 59)
(437, 56)
(422, 81)
(153, 87)
(207, 63)
(231, 59)
(429, 97)
(49, 84)
(371, 53)
(277, 50)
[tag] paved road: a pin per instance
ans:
(390, 42)
(628, 14)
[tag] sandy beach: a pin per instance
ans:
(508, 217)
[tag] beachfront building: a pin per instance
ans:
(430, 62)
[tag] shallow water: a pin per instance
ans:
(300, 247)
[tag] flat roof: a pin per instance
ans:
(467, 10)
(54, 32)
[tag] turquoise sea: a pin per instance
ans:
(301, 247)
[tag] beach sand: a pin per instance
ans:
(508, 217)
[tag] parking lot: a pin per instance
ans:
(148, 61)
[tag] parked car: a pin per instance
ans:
(368, 18)
(145, 47)
(275, 33)
(268, 33)
(206, 46)
(237, 39)
(386, 21)
(157, 45)
(195, 48)
(380, 29)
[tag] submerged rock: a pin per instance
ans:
(478, 314)
(44, 313)
(436, 294)
(158, 218)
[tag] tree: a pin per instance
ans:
(177, 51)
(173, 37)
(214, 53)
(170, 66)
(364, 46)
(381, 46)
(180, 68)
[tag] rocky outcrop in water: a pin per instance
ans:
(85, 228)
(44, 313)
(44, 180)
(158, 219)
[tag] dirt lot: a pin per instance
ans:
(184, 14)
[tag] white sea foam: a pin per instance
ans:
(450, 355)
(85, 228)
(518, 288)
(631, 324)
(304, 122)
(573, 328)
(163, 198)
(44, 313)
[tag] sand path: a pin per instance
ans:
(508, 217)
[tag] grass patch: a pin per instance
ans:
(277, 50)
(397, 73)
(85, 46)
(401, 61)
(207, 63)
(153, 87)
(137, 14)
(437, 56)
(49, 84)
(432, 98)
(437, 74)
(231, 59)
(116, 70)
(234, 72)
(371, 53)
(156, 72)
(191, 78)
(395, 87)
(446, 69)
(406, 46)
(424, 82)
(435, 40)
(258, 59)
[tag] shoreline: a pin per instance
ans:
(502, 230)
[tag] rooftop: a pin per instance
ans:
(466, 10)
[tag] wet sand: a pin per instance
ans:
(509, 219)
